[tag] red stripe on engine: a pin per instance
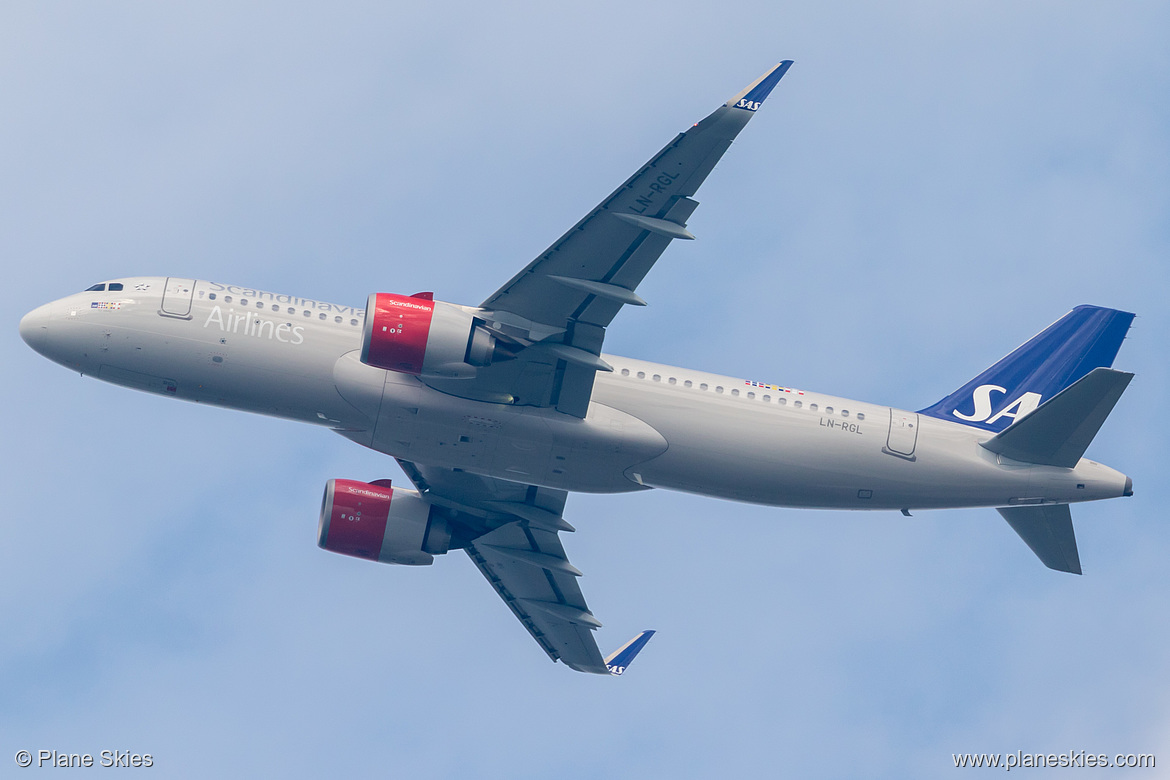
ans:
(398, 340)
(357, 523)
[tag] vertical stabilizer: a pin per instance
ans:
(1087, 337)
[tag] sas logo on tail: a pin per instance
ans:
(1023, 405)
(750, 105)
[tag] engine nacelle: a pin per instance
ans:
(421, 336)
(380, 523)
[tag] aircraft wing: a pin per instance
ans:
(559, 306)
(511, 532)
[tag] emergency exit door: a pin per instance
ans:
(903, 434)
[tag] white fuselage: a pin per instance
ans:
(648, 425)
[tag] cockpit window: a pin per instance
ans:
(115, 287)
(96, 288)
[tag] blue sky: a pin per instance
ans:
(927, 187)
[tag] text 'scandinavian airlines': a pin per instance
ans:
(497, 411)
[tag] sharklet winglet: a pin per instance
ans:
(619, 660)
(754, 94)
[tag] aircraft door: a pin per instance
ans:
(176, 300)
(903, 435)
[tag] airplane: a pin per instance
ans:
(497, 412)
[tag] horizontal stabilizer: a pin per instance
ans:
(1048, 530)
(620, 659)
(1060, 430)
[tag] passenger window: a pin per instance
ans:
(227, 299)
(337, 320)
(353, 322)
(844, 412)
(687, 383)
(307, 313)
(672, 381)
(751, 394)
(767, 398)
(321, 316)
(243, 301)
(812, 407)
(96, 288)
(718, 388)
(641, 374)
(658, 377)
(735, 392)
(625, 372)
(260, 305)
(861, 415)
(211, 296)
(797, 404)
(115, 287)
(782, 401)
(703, 386)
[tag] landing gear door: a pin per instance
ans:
(176, 300)
(903, 435)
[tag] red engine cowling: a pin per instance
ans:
(420, 336)
(380, 523)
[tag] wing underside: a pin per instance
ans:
(529, 570)
(511, 531)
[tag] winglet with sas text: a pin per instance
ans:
(620, 659)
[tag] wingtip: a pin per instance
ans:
(619, 660)
(753, 96)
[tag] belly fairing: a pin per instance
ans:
(523, 444)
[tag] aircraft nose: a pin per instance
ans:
(34, 327)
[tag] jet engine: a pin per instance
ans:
(418, 335)
(380, 523)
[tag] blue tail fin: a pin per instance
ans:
(1087, 337)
